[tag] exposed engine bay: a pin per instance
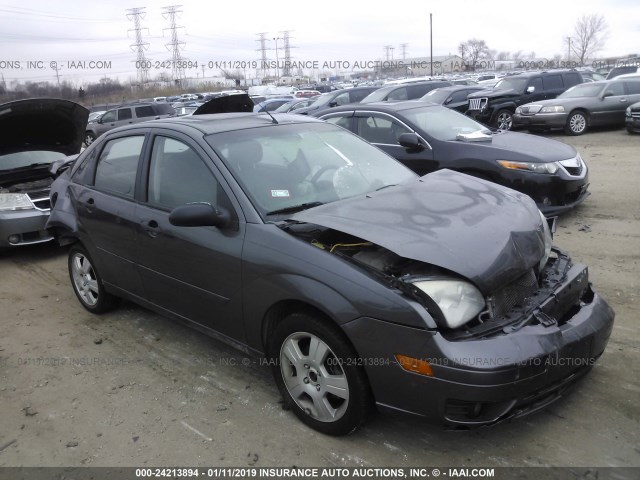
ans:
(548, 297)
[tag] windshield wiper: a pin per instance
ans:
(295, 208)
(33, 165)
(385, 186)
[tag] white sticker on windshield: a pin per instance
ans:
(279, 193)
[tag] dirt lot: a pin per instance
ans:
(131, 388)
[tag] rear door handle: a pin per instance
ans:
(151, 227)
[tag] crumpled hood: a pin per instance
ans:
(42, 124)
(485, 232)
(520, 146)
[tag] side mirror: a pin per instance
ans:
(607, 94)
(410, 141)
(58, 167)
(448, 101)
(199, 215)
(333, 104)
(99, 120)
(531, 89)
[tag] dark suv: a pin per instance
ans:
(496, 107)
(124, 115)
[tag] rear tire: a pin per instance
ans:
(576, 123)
(87, 283)
(319, 377)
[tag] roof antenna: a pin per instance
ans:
(272, 117)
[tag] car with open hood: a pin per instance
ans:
(36, 133)
(360, 283)
(428, 137)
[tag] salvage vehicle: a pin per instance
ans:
(35, 134)
(455, 98)
(293, 239)
(127, 115)
(495, 108)
(406, 91)
(427, 137)
(581, 107)
(632, 118)
(336, 98)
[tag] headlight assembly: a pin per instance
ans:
(15, 201)
(548, 242)
(548, 168)
(459, 301)
(554, 109)
(627, 112)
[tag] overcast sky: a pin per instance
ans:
(70, 30)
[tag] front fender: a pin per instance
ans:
(263, 293)
(63, 219)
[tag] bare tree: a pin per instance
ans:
(589, 36)
(475, 50)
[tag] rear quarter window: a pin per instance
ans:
(146, 111)
(553, 82)
(571, 79)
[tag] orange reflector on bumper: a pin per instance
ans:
(414, 365)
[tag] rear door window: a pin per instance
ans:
(124, 114)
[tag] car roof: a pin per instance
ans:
(224, 122)
(455, 88)
(388, 107)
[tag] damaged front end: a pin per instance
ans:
(546, 294)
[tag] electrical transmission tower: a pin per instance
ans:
(177, 66)
(142, 68)
(387, 49)
(404, 46)
(263, 70)
(287, 53)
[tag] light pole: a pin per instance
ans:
(277, 61)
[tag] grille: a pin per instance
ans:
(477, 103)
(635, 114)
(573, 166)
(40, 199)
(516, 293)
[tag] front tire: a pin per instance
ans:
(89, 137)
(318, 374)
(504, 120)
(576, 124)
(87, 283)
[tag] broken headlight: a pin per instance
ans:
(15, 201)
(548, 242)
(459, 301)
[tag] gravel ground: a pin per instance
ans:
(131, 388)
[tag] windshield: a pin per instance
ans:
(436, 96)
(25, 159)
(283, 166)
(511, 84)
(582, 90)
(323, 99)
(285, 106)
(378, 95)
(442, 123)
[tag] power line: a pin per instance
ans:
(287, 53)
(139, 47)
(404, 46)
(262, 38)
(177, 67)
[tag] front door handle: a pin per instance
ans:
(151, 227)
